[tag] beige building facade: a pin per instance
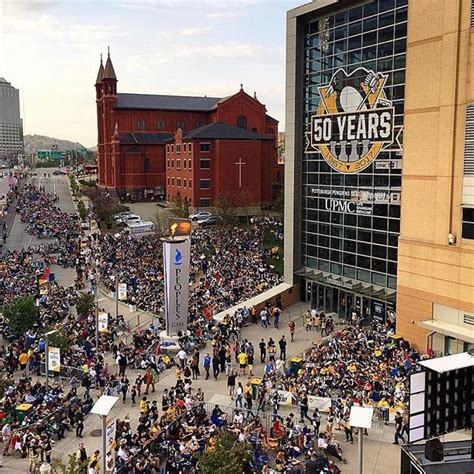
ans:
(435, 284)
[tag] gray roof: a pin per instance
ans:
(222, 131)
(166, 102)
(144, 138)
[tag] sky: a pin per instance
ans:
(50, 50)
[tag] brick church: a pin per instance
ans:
(159, 146)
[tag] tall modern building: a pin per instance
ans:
(11, 127)
(345, 101)
(435, 307)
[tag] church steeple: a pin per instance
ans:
(109, 72)
(99, 86)
(100, 74)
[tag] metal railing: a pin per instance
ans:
(65, 372)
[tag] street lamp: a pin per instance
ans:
(361, 418)
(102, 407)
(96, 310)
(46, 348)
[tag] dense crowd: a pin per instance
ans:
(354, 365)
(227, 267)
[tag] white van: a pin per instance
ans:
(140, 227)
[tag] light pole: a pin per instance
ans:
(102, 407)
(116, 296)
(96, 311)
(46, 348)
(361, 418)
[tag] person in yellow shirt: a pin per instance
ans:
(144, 405)
(243, 358)
(384, 409)
(23, 359)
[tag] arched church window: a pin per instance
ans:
(242, 121)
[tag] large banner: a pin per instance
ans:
(103, 320)
(110, 432)
(54, 359)
(321, 403)
(122, 291)
(176, 255)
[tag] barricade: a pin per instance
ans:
(65, 373)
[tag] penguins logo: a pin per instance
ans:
(354, 120)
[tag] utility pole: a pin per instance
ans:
(96, 311)
(116, 296)
(46, 369)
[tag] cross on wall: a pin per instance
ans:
(240, 163)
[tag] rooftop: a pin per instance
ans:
(222, 131)
(144, 138)
(166, 102)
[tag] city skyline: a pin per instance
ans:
(52, 48)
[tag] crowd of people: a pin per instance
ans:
(354, 365)
(227, 267)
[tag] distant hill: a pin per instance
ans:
(33, 143)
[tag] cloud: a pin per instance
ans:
(233, 50)
(16, 7)
(224, 15)
(194, 31)
(215, 6)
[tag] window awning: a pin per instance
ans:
(452, 330)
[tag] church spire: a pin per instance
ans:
(109, 72)
(100, 74)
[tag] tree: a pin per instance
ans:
(226, 207)
(21, 314)
(281, 153)
(104, 205)
(81, 208)
(84, 303)
(278, 203)
(245, 201)
(228, 456)
(180, 206)
(4, 383)
(59, 339)
(72, 467)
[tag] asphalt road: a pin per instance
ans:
(19, 239)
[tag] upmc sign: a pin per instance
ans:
(176, 256)
(354, 120)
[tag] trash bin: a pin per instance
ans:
(295, 364)
(394, 341)
(255, 383)
(22, 410)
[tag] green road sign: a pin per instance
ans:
(43, 155)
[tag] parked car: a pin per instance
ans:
(200, 216)
(59, 172)
(211, 220)
(123, 215)
(131, 218)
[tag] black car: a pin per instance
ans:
(59, 172)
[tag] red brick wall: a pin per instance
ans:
(242, 104)
(226, 175)
(183, 173)
(124, 168)
(128, 120)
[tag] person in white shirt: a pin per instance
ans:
(322, 443)
(182, 356)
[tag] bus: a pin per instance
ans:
(140, 227)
